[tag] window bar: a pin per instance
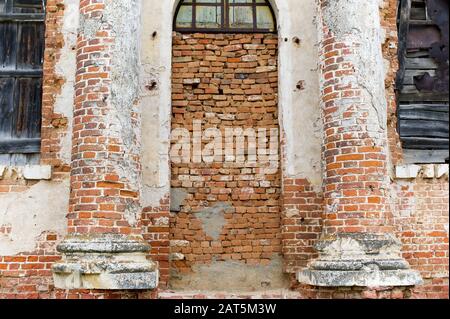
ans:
(222, 18)
(194, 14)
(255, 24)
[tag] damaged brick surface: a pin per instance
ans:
(229, 214)
(108, 105)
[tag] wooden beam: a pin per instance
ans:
(20, 146)
(423, 97)
(414, 156)
(405, 14)
(425, 143)
(22, 17)
(21, 73)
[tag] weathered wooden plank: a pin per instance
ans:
(24, 146)
(30, 46)
(424, 116)
(421, 128)
(421, 97)
(6, 106)
(27, 119)
(404, 16)
(410, 74)
(21, 17)
(21, 58)
(425, 143)
(21, 73)
(8, 46)
(424, 107)
(418, 53)
(417, 156)
(35, 109)
(421, 64)
(28, 6)
(421, 22)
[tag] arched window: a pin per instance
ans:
(232, 16)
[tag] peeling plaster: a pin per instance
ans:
(66, 68)
(360, 23)
(213, 219)
(42, 208)
(232, 276)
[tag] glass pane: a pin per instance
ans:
(184, 18)
(28, 6)
(241, 1)
(208, 17)
(241, 17)
(264, 18)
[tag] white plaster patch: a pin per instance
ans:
(429, 171)
(407, 171)
(179, 243)
(441, 170)
(66, 68)
(42, 208)
(37, 172)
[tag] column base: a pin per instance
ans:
(106, 261)
(359, 260)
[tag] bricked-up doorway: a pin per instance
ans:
(225, 216)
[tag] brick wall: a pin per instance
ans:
(388, 14)
(419, 211)
(225, 81)
(28, 275)
(302, 223)
(354, 148)
(420, 206)
(421, 220)
(156, 230)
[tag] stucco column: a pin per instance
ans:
(105, 248)
(358, 246)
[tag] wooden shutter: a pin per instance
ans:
(422, 82)
(21, 59)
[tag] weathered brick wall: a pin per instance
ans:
(420, 205)
(421, 219)
(302, 223)
(156, 230)
(388, 14)
(225, 81)
(28, 274)
(285, 217)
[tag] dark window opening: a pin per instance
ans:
(225, 16)
(22, 29)
(423, 79)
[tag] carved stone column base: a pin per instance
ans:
(110, 262)
(359, 260)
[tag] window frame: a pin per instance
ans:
(24, 146)
(225, 23)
